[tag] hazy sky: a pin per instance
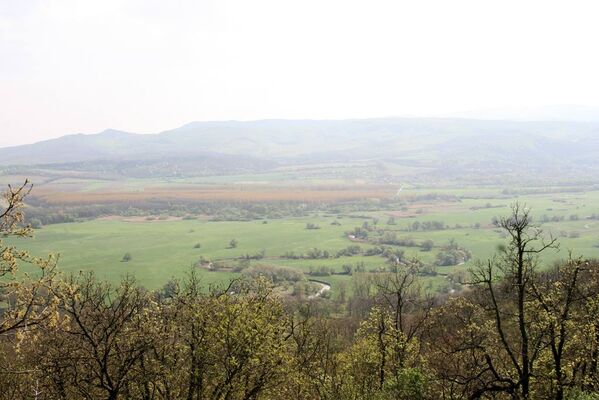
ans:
(69, 66)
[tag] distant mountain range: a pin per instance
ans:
(449, 145)
(564, 112)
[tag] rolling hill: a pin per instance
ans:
(450, 146)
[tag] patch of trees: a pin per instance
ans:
(291, 255)
(390, 238)
(452, 254)
(375, 251)
(427, 245)
(393, 255)
(47, 213)
(320, 271)
(359, 233)
(316, 254)
(520, 192)
(225, 210)
(555, 218)
(431, 197)
(349, 269)
(274, 274)
(350, 251)
(256, 256)
(487, 206)
(426, 226)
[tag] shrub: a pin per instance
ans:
(427, 245)
(347, 269)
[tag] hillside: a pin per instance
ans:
(449, 146)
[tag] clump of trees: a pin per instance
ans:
(350, 251)
(555, 218)
(391, 239)
(316, 253)
(427, 245)
(274, 274)
(359, 233)
(426, 226)
(452, 254)
(257, 256)
(320, 271)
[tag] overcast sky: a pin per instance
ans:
(69, 66)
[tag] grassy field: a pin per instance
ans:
(165, 249)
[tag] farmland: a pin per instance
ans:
(163, 247)
(213, 194)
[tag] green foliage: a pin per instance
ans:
(274, 274)
(388, 340)
(452, 254)
(427, 245)
(320, 271)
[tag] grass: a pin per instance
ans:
(162, 250)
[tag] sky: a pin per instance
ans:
(71, 66)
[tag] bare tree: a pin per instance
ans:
(516, 265)
(400, 294)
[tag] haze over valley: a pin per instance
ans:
(388, 150)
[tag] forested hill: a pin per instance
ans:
(431, 142)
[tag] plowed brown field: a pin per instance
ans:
(306, 195)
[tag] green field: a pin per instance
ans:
(162, 250)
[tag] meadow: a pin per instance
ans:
(164, 249)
